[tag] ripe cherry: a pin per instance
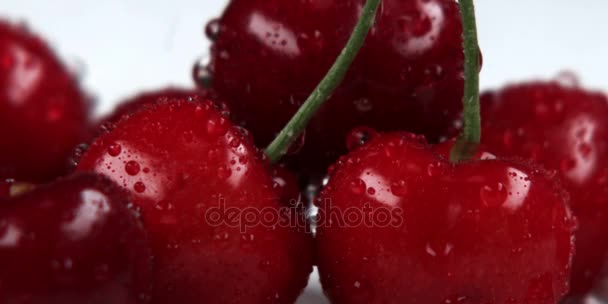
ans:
(70, 242)
(268, 56)
(43, 112)
(188, 169)
(565, 129)
(481, 231)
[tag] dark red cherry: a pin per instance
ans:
(43, 112)
(137, 102)
(204, 191)
(565, 129)
(269, 55)
(73, 241)
(407, 226)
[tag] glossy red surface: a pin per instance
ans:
(71, 242)
(181, 160)
(566, 130)
(269, 56)
(139, 101)
(484, 231)
(43, 112)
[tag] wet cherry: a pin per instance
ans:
(43, 112)
(565, 129)
(268, 56)
(418, 229)
(73, 241)
(196, 176)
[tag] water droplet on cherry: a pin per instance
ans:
(114, 149)
(359, 136)
(132, 167)
(212, 29)
(435, 169)
(357, 186)
(493, 195)
(399, 188)
(139, 187)
(217, 126)
(363, 105)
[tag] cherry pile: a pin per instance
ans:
(140, 205)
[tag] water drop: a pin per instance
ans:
(455, 300)
(217, 126)
(493, 195)
(201, 73)
(435, 169)
(359, 136)
(297, 144)
(568, 79)
(363, 105)
(212, 29)
(585, 149)
(132, 167)
(399, 188)
(114, 149)
(357, 186)
(223, 172)
(371, 190)
(139, 187)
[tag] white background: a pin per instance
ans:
(120, 47)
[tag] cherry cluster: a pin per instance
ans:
(171, 198)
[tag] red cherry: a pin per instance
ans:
(270, 55)
(484, 231)
(43, 112)
(73, 241)
(566, 130)
(194, 165)
(135, 103)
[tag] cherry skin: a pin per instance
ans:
(185, 164)
(566, 130)
(142, 100)
(73, 241)
(483, 231)
(43, 112)
(269, 55)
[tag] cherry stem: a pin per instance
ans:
(323, 91)
(471, 135)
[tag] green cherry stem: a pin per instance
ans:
(471, 135)
(334, 77)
